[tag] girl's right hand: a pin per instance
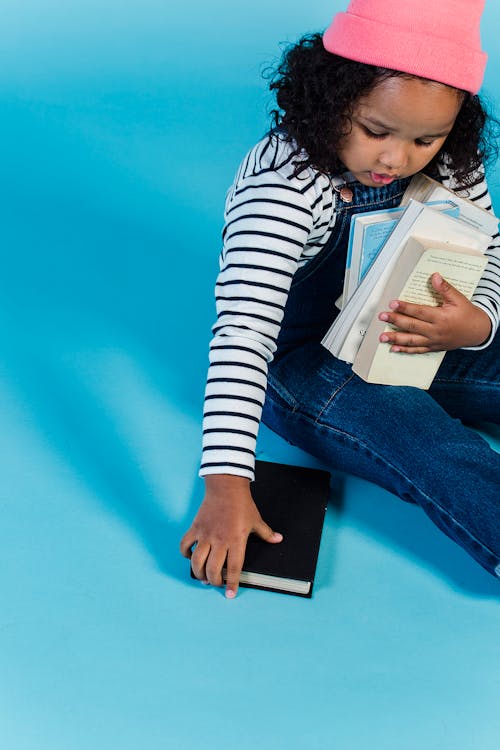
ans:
(220, 530)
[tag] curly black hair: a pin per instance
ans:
(316, 92)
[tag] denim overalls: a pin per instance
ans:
(404, 439)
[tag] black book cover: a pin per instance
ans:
(293, 501)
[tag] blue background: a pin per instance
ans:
(122, 124)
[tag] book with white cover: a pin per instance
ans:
(423, 189)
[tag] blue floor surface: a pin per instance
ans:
(122, 125)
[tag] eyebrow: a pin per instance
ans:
(379, 124)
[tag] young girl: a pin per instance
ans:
(388, 91)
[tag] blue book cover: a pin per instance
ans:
(374, 237)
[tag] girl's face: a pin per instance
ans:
(398, 128)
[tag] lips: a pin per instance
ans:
(382, 179)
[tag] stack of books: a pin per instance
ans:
(392, 255)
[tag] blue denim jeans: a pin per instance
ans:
(409, 441)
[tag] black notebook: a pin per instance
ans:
(292, 500)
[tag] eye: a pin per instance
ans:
(371, 134)
(419, 142)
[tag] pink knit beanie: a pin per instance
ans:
(435, 39)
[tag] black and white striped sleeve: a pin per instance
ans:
(270, 216)
(487, 294)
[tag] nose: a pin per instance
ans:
(394, 157)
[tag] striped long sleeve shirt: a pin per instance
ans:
(275, 222)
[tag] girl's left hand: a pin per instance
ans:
(423, 328)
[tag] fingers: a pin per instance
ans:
(199, 556)
(417, 329)
(207, 563)
(422, 313)
(207, 560)
(214, 564)
(411, 349)
(414, 327)
(402, 342)
(235, 558)
(448, 292)
(199, 559)
(408, 316)
(187, 542)
(266, 533)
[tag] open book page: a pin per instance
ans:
(463, 271)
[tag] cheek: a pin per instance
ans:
(365, 147)
(425, 155)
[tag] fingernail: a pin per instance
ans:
(206, 583)
(395, 349)
(384, 338)
(438, 277)
(277, 537)
(383, 316)
(230, 594)
(394, 305)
